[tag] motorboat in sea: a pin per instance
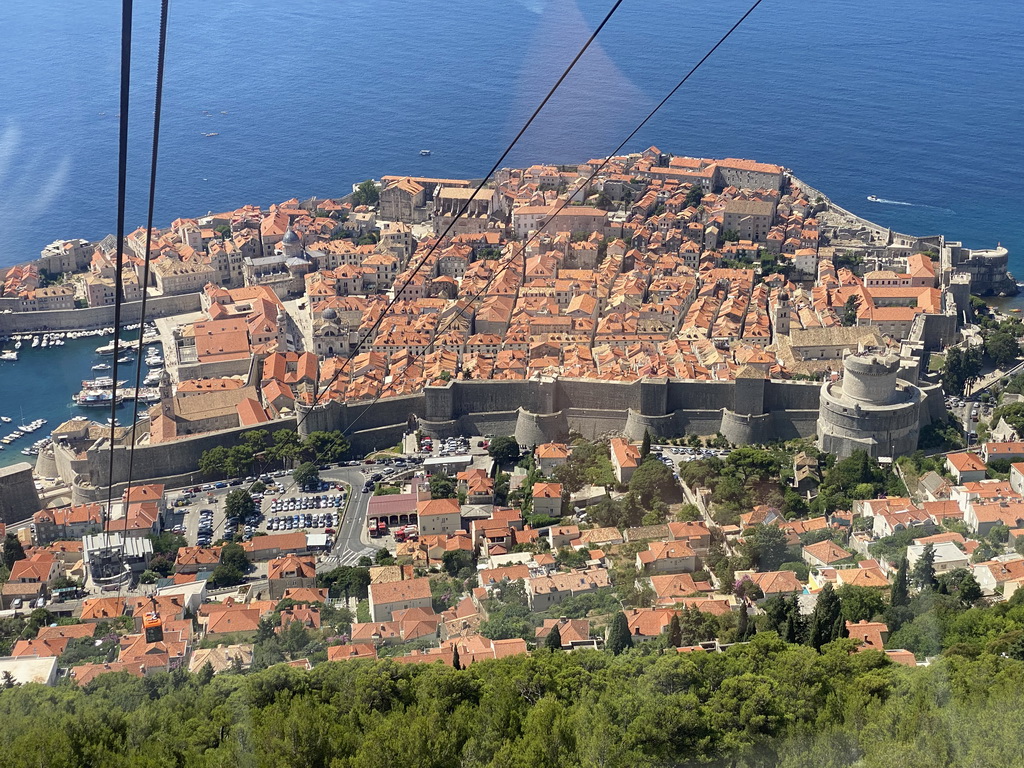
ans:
(126, 359)
(425, 152)
(106, 349)
(101, 367)
(5, 419)
(10, 356)
(101, 382)
(89, 398)
(154, 361)
(874, 199)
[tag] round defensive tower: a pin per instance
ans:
(539, 428)
(870, 377)
(870, 409)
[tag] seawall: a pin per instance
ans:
(95, 317)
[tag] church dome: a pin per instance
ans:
(329, 314)
(290, 237)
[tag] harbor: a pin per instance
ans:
(44, 375)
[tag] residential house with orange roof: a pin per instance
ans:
(547, 499)
(544, 592)
(670, 589)
(695, 533)
(239, 621)
(648, 623)
(387, 598)
(774, 583)
(824, 553)
(993, 574)
(574, 633)
(866, 574)
(666, 557)
(261, 548)
(72, 522)
(966, 467)
(549, 456)
(406, 626)
(102, 608)
(625, 459)
(30, 578)
(290, 572)
(439, 516)
(1009, 450)
(350, 651)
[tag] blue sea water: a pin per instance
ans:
(918, 101)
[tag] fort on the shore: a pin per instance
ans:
(674, 295)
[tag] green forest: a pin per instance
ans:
(763, 703)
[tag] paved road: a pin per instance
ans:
(350, 541)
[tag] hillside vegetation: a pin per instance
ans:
(764, 703)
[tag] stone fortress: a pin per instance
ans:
(871, 408)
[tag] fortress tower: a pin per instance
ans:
(870, 409)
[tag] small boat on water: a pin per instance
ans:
(873, 199)
(106, 349)
(126, 359)
(1015, 310)
(10, 356)
(425, 152)
(101, 367)
(5, 419)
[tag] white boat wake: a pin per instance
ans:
(873, 199)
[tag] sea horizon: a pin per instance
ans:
(857, 99)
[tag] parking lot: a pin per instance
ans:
(198, 513)
(970, 412)
(673, 455)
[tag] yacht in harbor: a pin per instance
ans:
(101, 367)
(106, 349)
(91, 398)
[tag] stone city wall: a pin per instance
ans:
(593, 409)
(173, 458)
(95, 317)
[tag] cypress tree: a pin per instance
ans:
(743, 626)
(554, 639)
(775, 611)
(794, 630)
(675, 632)
(455, 657)
(645, 445)
(619, 638)
(899, 594)
(826, 619)
(924, 571)
(12, 551)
